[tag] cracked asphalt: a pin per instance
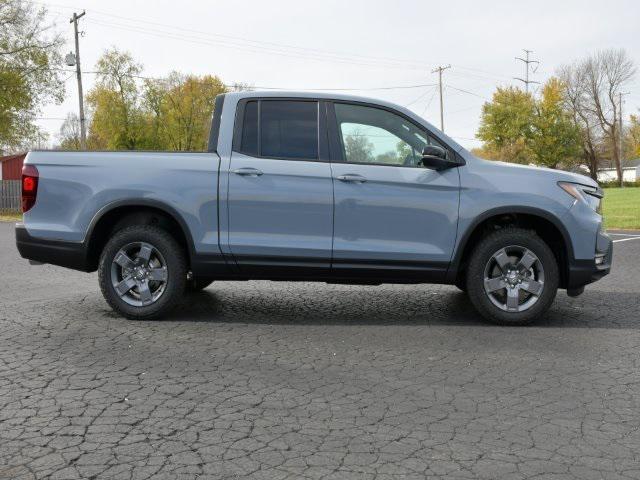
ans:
(275, 380)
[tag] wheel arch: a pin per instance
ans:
(547, 226)
(116, 215)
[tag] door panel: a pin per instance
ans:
(399, 216)
(281, 216)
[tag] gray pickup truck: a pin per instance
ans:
(314, 187)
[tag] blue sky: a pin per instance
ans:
(367, 46)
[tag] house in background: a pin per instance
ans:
(630, 171)
(12, 166)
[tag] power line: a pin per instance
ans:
(527, 62)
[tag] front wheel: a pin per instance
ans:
(142, 272)
(512, 277)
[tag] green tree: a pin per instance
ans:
(184, 105)
(555, 140)
(70, 133)
(632, 143)
(358, 147)
(29, 55)
(506, 125)
(118, 121)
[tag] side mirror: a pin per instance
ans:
(435, 158)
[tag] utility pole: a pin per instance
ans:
(621, 138)
(440, 70)
(526, 62)
(83, 131)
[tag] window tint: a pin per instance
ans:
(249, 142)
(289, 129)
(374, 135)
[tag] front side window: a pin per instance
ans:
(374, 135)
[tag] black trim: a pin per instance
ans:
(214, 133)
(143, 203)
(56, 252)
(583, 272)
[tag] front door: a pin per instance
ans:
(280, 194)
(393, 217)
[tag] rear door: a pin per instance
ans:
(280, 194)
(393, 217)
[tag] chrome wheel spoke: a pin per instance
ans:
(158, 274)
(125, 285)
(513, 298)
(145, 253)
(532, 286)
(502, 259)
(527, 260)
(145, 293)
(123, 260)
(493, 284)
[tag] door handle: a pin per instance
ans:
(247, 172)
(352, 178)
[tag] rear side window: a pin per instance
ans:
(285, 129)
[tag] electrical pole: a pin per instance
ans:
(440, 70)
(83, 131)
(621, 139)
(526, 62)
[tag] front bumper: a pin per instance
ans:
(583, 272)
(65, 254)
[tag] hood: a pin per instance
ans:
(559, 175)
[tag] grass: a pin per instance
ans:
(10, 217)
(621, 208)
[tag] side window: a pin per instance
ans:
(249, 140)
(289, 129)
(375, 135)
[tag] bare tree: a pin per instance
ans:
(69, 135)
(576, 101)
(593, 86)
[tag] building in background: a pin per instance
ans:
(12, 166)
(630, 171)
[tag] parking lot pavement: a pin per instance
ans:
(301, 380)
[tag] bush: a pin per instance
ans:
(614, 184)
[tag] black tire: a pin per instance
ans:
(197, 284)
(176, 271)
(481, 257)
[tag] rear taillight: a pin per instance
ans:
(29, 187)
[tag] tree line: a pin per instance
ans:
(574, 121)
(129, 112)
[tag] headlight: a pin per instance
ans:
(592, 196)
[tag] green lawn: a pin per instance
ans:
(10, 217)
(621, 208)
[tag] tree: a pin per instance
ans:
(599, 79)
(633, 136)
(358, 147)
(186, 109)
(118, 121)
(29, 55)
(555, 138)
(70, 133)
(506, 125)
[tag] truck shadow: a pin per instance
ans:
(414, 305)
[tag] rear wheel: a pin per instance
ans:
(512, 277)
(142, 272)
